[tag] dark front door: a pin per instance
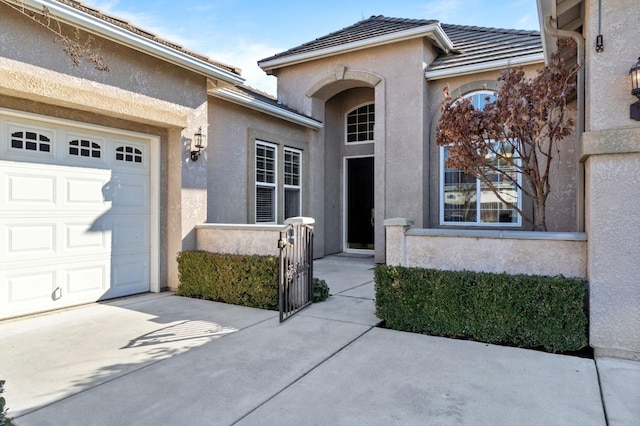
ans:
(360, 212)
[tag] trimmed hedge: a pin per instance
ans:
(237, 279)
(519, 310)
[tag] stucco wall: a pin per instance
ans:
(239, 239)
(513, 252)
(611, 150)
(608, 93)
(613, 196)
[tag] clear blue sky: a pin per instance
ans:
(241, 32)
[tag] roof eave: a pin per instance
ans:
(484, 66)
(264, 107)
(114, 33)
(433, 31)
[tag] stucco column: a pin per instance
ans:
(395, 229)
(173, 192)
(613, 202)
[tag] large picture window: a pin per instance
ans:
(466, 200)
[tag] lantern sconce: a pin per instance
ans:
(634, 72)
(198, 143)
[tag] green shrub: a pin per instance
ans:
(519, 310)
(320, 290)
(237, 279)
(4, 419)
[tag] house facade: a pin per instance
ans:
(98, 185)
(101, 184)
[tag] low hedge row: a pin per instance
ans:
(237, 279)
(518, 310)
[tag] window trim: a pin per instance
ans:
(346, 125)
(478, 222)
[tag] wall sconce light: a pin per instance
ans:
(198, 143)
(634, 72)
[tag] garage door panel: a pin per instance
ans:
(83, 236)
(91, 277)
(28, 286)
(30, 188)
(130, 194)
(129, 236)
(30, 239)
(83, 192)
(129, 275)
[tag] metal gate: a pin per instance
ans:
(296, 266)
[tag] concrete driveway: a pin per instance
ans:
(160, 358)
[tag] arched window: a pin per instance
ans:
(467, 201)
(360, 122)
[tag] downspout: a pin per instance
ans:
(577, 37)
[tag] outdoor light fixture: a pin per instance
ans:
(634, 72)
(198, 143)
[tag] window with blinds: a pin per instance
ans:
(292, 182)
(266, 182)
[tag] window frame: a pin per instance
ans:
(478, 192)
(346, 125)
(258, 184)
(286, 186)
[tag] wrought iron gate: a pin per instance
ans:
(296, 266)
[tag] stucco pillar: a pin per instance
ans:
(613, 203)
(396, 241)
(174, 204)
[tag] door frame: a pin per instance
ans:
(345, 204)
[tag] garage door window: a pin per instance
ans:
(30, 141)
(129, 154)
(85, 148)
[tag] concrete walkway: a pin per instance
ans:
(163, 359)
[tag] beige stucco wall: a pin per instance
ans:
(613, 191)
(239, 239)
(138, 93)
(513, 252)
(611, 150)
(608, 93)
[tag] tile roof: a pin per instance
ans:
(478, 45)
(375, 26)
(472, 45)
(144, 33)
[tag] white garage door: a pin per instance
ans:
(74, 214)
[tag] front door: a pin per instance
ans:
(360, 217)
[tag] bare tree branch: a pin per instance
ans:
(74, 47)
